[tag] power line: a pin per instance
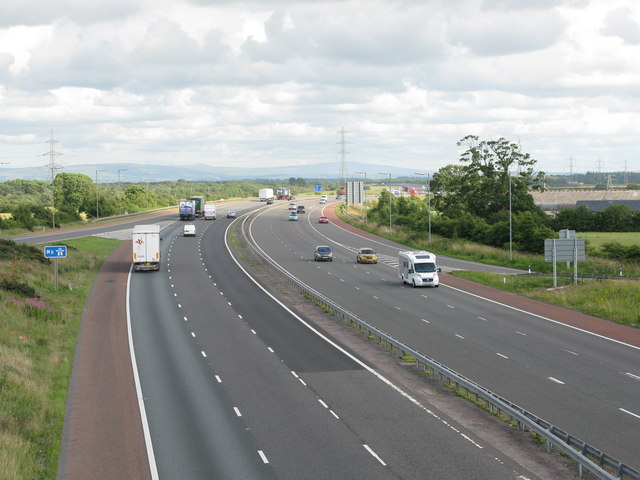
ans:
(343, 162)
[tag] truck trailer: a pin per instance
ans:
(210, 212)
(200, 202)
(418, 268)
(265, 194)
(146, 247)
(187, 210)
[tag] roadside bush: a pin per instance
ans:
(10, 250)
(617, 251)
(17, 287)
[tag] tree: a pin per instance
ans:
(482, 184)
(74, 193)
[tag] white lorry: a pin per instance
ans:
(210, 212)
(418, 268)
(146, 247)
(265, 194)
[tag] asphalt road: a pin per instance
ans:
(582, 383)
(233, 380)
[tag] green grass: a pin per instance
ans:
(615, 300)
(37, 345)
(597, 239)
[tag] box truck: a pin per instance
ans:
(210, 212)
(265, 194)
(146, 247)
(187, 210)
(418, 268)
(283, 193)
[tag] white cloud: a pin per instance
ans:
(272, 81)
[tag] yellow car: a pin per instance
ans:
(366, 255)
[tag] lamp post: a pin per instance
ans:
(365, 194)
(387, 173)
(120, 170)
(510, 221)
(428, 199)
(97, 196)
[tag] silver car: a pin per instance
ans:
(323, 253)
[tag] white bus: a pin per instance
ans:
(418, 268)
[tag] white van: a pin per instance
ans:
(189, 230)
(210, 212)
(323, 199)
(418, 268)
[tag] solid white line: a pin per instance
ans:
(374, 454)
(143, 413)
(635, 377)
(630, 413)
(556, 380)
(302, 382)
(542, 317)
(263, 456)
(294, 374)
(501, 355)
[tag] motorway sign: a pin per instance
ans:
(55, 251)
(566, 250)
(317, 188)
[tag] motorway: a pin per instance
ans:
(235, 385)
(582, 383)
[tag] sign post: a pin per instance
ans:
(564, 250)
(55, 252)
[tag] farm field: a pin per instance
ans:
(597, 239)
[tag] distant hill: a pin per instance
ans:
(136, 172)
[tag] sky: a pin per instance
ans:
(271, 83)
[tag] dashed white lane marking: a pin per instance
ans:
(375, 297)
(635, 377)
(334, 414)
(630, 413)
(263, 456)
(520, 333)
(240, 317)
(322, 403)
(373, 454)
(218, 379)
(556, 380)
(270, 349)
(451, 306)
(460, 336)
(185, 318)
(294, 374)
(253, 331)
(237, 410)
(425, 321)
(424, 296)
(203, 354)
(302, 382)
(501, 355)
(193, 334)
(569, 351)
(398, 308)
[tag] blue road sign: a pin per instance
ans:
(55, 251)
(317, 188)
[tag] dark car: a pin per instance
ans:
(231, 214)
(323, 253)
(300, 209)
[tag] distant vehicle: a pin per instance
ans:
(322, 253)
(265, 194)
(292, 206)
(418, 268)
(200, 202)
(187, 210)
(366, 255)
(270, 201)
(231, 214)
(293, 216)
(189, 230)
(323, 220)
(283, 193)
(300, 209)
(323, 199)
(210, 212)
(146, 247)
(338, 197)
(291, 197)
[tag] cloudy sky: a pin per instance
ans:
(261, 83)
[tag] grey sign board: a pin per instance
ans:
(567, 250)
(355, 192)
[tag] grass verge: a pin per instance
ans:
(38, 334)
